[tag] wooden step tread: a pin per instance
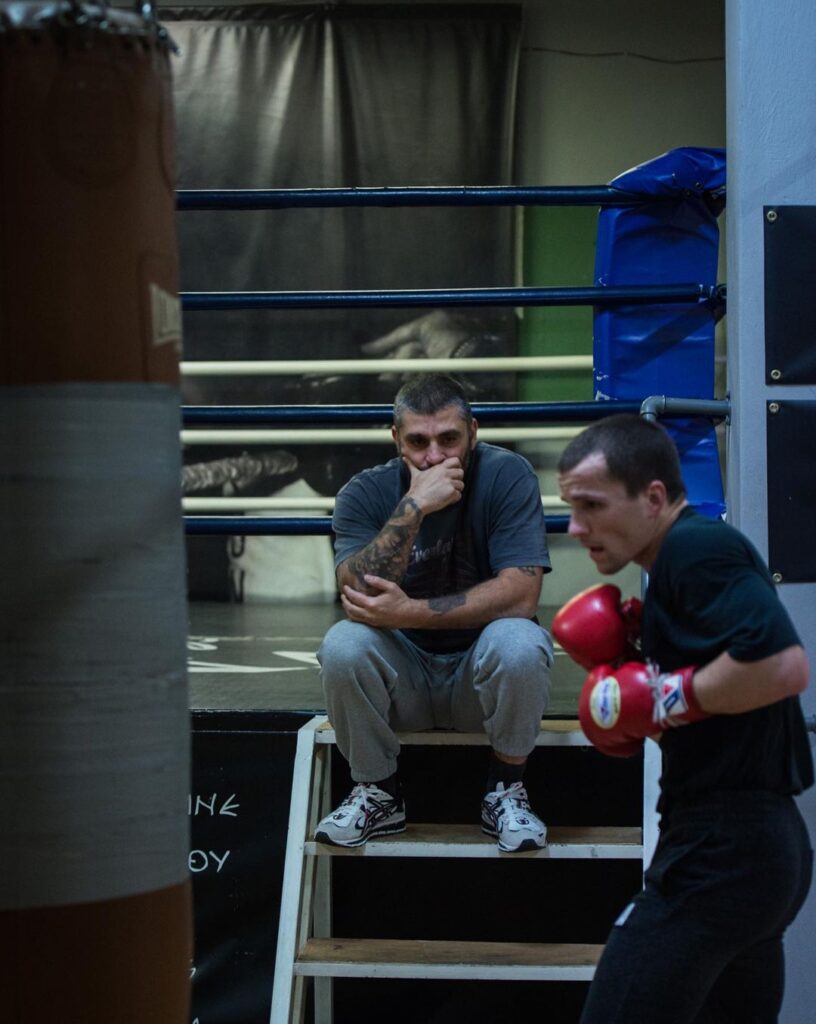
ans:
(554, 732)
(417, 958)
(423, 840)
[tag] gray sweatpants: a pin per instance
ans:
(376, 683)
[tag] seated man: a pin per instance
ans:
(440, 554)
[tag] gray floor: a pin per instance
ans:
(247, 657)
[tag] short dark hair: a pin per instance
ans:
(427, 393)
(636, 451)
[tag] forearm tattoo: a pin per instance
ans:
(387, 555)
(446, 603)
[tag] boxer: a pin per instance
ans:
(716, 680)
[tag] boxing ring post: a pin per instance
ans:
(771, 119)
(94, 728)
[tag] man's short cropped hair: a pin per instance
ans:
(636, 451)
(427, 393)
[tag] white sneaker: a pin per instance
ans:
(506, 814)
(366, 811)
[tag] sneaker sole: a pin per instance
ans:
(524, 846)
(386, 830)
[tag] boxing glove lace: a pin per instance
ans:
(621, 706)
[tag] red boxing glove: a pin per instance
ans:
(618, 708)
(621, 748)
(631, 612)
(594, 628)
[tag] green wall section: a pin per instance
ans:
(558, 251)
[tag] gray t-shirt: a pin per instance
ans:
(498, 524)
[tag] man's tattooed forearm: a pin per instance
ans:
(387, 555)
(446, 602)
(404, 505)
(384, 557)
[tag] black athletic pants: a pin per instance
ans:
(702, 943)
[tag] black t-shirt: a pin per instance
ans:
(709, 591)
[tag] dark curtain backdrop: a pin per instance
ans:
(274, 96)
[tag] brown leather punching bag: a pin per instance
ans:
(94, 722)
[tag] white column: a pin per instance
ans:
(771, 140)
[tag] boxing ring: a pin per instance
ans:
(255, 427)
(235, 421)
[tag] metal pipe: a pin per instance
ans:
(659, 405)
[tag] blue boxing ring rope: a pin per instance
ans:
(433, 195)
(631, 295)
(711, 296)
(487, 412)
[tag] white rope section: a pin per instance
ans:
(362, 435)
(276, 504)
(298, 367)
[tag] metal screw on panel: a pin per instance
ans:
(777, 577)
(776, 374)
(771, 216)
(773, 407)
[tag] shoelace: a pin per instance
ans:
(359, 793)
(514, 801)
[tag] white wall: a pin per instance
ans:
(605, 85)
(772, 161)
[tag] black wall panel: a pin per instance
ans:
(791, 442)
(790, 294)
(239, 813)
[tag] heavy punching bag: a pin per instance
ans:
(94, 722)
